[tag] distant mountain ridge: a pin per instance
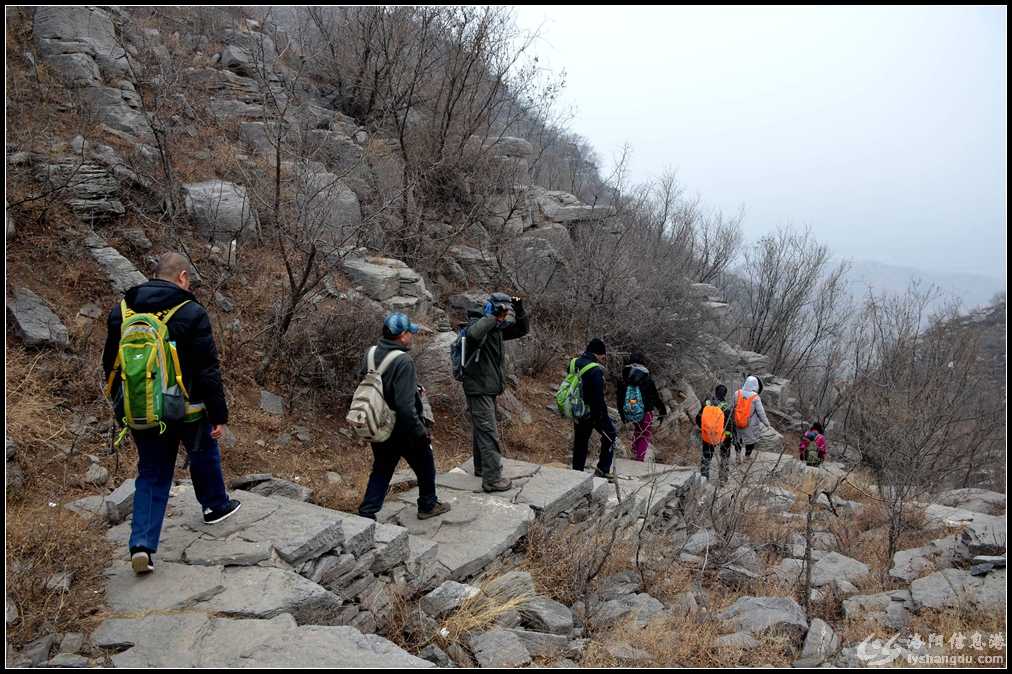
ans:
(972, 290)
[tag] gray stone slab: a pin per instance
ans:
(120, 503)
(542, 614)
(951, 588)
(834, 566)
(553, 490)
(203, 552)
(298, 531)
(392, 547)
(34, 322)
(263, 592)
(359, 534)
(318, 646)
(540, 644)
(459, 481)
(478, 529)
(983, 534)
(499, 648)
(760, 615)
(891, 609)
(447, 598)
(511, 469)
(173, 586)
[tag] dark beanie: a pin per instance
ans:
(596, 347)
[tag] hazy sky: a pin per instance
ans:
(884, 129)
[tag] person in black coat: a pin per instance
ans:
(597, 418)
(190, 328)
(636, 374)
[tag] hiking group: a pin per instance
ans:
(163, 378)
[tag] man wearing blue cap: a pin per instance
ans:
(411, 437)
(484, 380)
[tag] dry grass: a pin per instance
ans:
(686, 642)
(42, 540)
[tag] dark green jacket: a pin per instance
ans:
(400, 390)
(484, 376)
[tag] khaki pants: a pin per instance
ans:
(485, 436)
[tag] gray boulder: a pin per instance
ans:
(738, 641)
(283, 489)
(821, 642)
(272, 403)
(833, 567)
(641, 607)
(121, 272)
(119, 110)
(447, 598)
(499, 648)
(761, 615)
(950, 588)
(938, 554)
(90, 31)
(220, 210)
(542, 614)
(625, 653)
(976, 500)
(34, 322)
(890, 609)
(329, 209)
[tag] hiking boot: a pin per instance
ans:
(439, 509)
(221, 514)
(141, 562)
(608, 476)
(502, 484)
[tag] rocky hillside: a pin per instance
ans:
(308, 215)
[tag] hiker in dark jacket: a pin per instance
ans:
(635, 373)
(190, 328)
(592, 386)
(411, 438)
(484, 381)
(719, 400)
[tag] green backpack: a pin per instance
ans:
(151, 391)
(569, 397)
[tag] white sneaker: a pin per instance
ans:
(141, 562)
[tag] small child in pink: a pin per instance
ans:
(814, 434)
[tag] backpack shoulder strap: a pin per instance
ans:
(389, 358)
(173, 310)
(586, 368)
(370, 359)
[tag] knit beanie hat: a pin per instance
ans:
(596, 347)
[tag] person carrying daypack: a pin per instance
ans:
(713, 421)
(409, 436)
(637, 400)
(596, 417)
(483, 380)
(812, 449)
(164, 380)
(748, 416)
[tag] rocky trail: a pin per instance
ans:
(288, 583)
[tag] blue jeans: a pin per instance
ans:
(156, 464)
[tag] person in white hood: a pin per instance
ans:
(748, 416)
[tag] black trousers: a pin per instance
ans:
(386, 456)
(725, 457)
(582, 430)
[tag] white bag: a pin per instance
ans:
(369, 416)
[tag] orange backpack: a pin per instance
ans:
(712, 424)
(743, 410)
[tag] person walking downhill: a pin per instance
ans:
(812, 448)
(713, 420)
(164, 380)
(411, 437)
(637, 400)
(596, 419)
(749, 415)
(484, 381)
